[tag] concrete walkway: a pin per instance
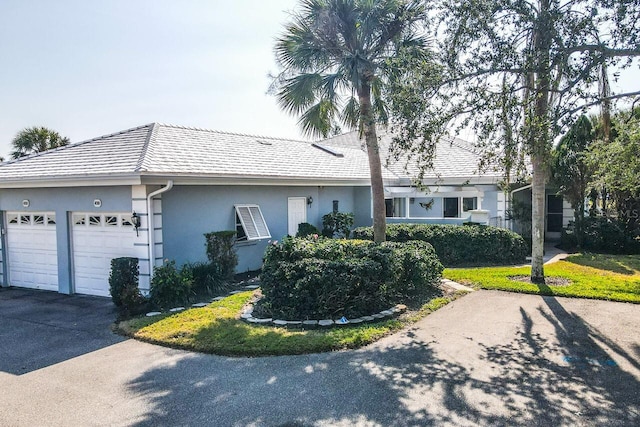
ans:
(489, 358)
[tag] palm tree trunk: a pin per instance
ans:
(375, 166)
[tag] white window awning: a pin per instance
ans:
(252, 221)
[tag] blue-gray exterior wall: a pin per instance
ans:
(62, 201)
(191, 211)
(362, 207)
(490, 202)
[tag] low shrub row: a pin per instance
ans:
(326, 278)
(459, 244)
(170, 286)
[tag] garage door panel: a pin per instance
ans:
(97, 239)
(32, 250)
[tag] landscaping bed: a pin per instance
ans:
(217, 329)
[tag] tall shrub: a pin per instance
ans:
(337, 224)
(123, 285)
(221, 251)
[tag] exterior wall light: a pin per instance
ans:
(309, 200)
(135, 220)
(25, 203)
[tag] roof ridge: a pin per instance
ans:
(145, 148)
(74, 144)
(275, 138)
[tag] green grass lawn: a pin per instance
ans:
(216, 329)
(607, 277)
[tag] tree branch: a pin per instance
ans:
(606, 51)
(608, 98)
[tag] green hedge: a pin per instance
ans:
(459, 244)
(327, 278)
(601, 234)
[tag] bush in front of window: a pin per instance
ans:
(459, 244)
(317, 278)
(171, 287)
(221, 252)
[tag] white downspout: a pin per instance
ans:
(151, 225)
(510, 201)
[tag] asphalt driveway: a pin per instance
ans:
(40, 328)
(489, 358)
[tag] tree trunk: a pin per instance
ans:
(537, 219)
(375, 166)
(540, 138)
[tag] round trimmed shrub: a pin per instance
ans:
(459, 244)
(326, 278)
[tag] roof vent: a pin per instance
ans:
(327, 150)
(262, 142)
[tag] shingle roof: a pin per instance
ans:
(454, 157)
(159, 149)
(117, 153)
(168, 150)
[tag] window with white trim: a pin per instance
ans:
(250, 224)
(469, 203)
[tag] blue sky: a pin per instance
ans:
(88, 68)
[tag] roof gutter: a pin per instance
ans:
(151, 225)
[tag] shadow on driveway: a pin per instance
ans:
(553, 368)
(42, 328)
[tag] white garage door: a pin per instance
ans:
(98, 238)
(32, 251)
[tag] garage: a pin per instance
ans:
(32, 250)
(97, 239)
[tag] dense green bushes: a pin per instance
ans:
(459, 244)
(221, 251)
(325, 278)
(123, 286)
(170, 286)
(602, 234)
(305, 229)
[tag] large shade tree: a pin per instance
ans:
(518, 73)
(34, 140)
(336, 59)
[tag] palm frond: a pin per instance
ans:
(299, 92)
(319, 119)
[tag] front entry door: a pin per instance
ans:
(297, 213)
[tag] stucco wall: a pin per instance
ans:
(191, 211)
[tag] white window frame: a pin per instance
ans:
(257, 222)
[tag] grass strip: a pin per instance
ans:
(216, 329)
(595, 276)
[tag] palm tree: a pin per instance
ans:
(34, 140)
(335, 57)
